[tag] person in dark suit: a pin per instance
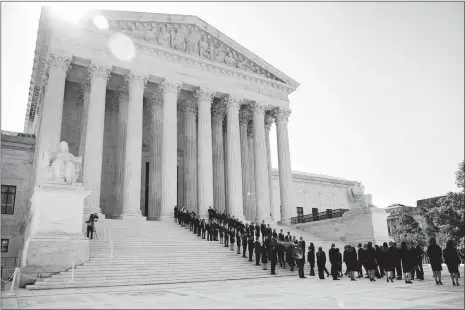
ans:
(299, 256)
(289, 257)
(288, 237)
(264, 256)
(370, 261)
(311, 258)
(321, 262)
(275, 234)
(257, 231)
(434, 252)
(379, 271)
(418, 262)
(350, 257)
(303, 247)
(226, 236)
(251, 246)
(452, 261)
(407, 258)
(263, 230)
(398, 262)
(273, 256)
(281, 236)
(361, 260)
(244, 243)
(333, 261)
(281, 254)
(238, 241)
(258, 251)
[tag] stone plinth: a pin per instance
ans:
(54, 235)
(357, 225)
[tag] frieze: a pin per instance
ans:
(261, 89)
(190, 39)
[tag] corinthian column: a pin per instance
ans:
(123, 101)
(84, 95)
(156, 115)
(52, 107)
(169, 151)
(262, 191)
(252, 202)
(225, 151)
(234, 157)
(189, 109)
(218, 112)
(244, 115)
(268, 123)
(133, 146)
(284, 161)
(205, 168)
(99, 75)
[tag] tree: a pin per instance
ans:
(408, 230)
(448, 214)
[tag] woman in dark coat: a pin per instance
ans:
(321, 262)
(452, 260)
(311, 258)
(232, 239)
(434, 252)
(370, 261)
(387, 262)
(264, 252)
(350, 258)
(407, 261)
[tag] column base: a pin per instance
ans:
(135, 215)
(166, 217)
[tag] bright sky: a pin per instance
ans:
(381, 96)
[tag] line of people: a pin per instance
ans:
(390, 261)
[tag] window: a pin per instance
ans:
(300, 211)
(5, 245)
(8, 199)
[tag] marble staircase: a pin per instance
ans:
(153, 252)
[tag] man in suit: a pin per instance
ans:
(288, 237)
(258, 249)
(257, 231)
(321, 263)
(302, 246)
(251, 246)
(203, 227)
(273, 254)
(361, 260)
(333, 261)
(281, 236)
(244, 243)
(418, 262)
(263, 230)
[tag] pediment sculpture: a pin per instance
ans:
(62, 166)
(188, 38)
(355, 193)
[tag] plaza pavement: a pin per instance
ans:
(268, 293)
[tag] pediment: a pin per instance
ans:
(194, 37)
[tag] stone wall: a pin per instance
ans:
(17, 167)
(357, 225)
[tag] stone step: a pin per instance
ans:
(163, 277)
(147, 281)
(159, 267)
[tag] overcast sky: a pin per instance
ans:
(381, 96)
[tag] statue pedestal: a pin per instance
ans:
(54, 227)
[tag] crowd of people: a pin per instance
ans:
(389, 260)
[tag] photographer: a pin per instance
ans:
(93, 218)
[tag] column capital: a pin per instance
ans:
(59, 60)
(244, 116)
(122, 92)
(257, 108)
(171, 86)
(268, 120)
(250, 132)
(205, 94)
(218, 111)
(282, 115)
(136, 78)
(99, 71)
(233, 101)
(189, 107)
(155, 100)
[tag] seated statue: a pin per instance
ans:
(65, 167)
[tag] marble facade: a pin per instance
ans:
(166, 127)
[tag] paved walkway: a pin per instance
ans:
(272, 293)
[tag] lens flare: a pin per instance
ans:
(122, 47)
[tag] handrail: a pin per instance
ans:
(318, 216)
